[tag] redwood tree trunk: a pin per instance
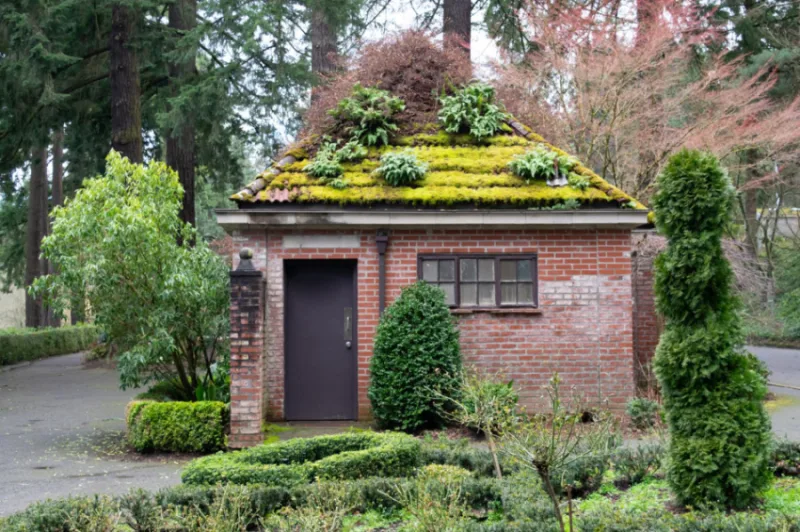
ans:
(457, 26)
(57, 193)
(323, 44)
(126, 113)
(34, 315)
(180, 142)
(644, 19)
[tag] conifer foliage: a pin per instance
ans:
(720, 432)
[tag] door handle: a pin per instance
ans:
(348, 326)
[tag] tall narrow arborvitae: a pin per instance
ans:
(712, 392)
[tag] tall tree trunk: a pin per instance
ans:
(323, 44)
(457, 26)
(33, 238)
(180, 143)
(44, 268)
(750, 197)
(57, 193)
(126, 113)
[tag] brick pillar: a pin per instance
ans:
(247, 353)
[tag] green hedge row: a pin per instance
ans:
(142, 510)
(20, 345)
(342, 456)
(197, 427)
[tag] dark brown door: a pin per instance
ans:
(320, 329)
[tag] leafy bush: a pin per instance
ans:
(487, 406)
(368, 115)
(643, 412)
(325, 164)
(163, 302)
(472, 110)
(401, 169)
(352, 151)
(19, 345)
(632, 465)
(785, 458)
(712, 392)
(577, 181)
(541, 162)
(299, 461)
(197, 427)
(416, 358)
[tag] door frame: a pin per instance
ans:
(354, 394)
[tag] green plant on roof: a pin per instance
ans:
(577, 181)
(541, 163)
(351, 152)
(401, 168)
(368, 115)
(326, 163)
(472, 110)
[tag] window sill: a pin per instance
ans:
(495, 310)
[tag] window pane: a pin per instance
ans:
(524, 270)
(486, 270)
(508, 270)
(525, 293)
(430, 270)
(447, 270)
(508, 294)
(486, 295)
(469, 269)
(449, 293)
(469, 295)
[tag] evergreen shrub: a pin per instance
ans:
(20, 345)
(712, 391)
(416, 360)
(300, 461)
(196, 427)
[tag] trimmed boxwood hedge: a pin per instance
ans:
(343, 456)
(20, 345)
(177, 426)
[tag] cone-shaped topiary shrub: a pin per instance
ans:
(712, 392)
(416, 358)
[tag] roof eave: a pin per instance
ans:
(238, 219)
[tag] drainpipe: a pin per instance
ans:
(382, 242)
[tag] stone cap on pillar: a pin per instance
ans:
(246, 267)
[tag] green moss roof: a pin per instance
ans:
(460, 172)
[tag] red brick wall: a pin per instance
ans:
(647, 325)
(584, 330)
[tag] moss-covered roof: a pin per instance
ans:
(461, 172)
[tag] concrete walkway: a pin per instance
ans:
(785, 409)
(62, 433)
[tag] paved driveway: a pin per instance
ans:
(785, 409)
(62, 433)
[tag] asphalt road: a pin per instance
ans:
(785, 410)
(62, 433)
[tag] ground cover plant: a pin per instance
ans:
(416, 359)
(20, 345)
(159, 292)
(712, 390)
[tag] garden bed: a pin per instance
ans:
(450, 487)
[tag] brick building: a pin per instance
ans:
(538, 276)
